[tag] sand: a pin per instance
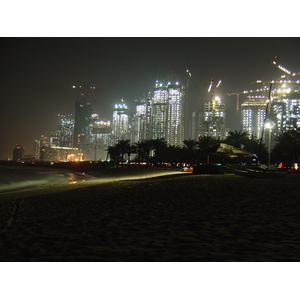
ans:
(184, 218)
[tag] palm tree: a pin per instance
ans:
(173, 154)
(254, 145)
(287, 148)
(189, 147)
(139, 150)
(206, 142)
(114, 153)
(237, 139)
(130, 150)
(123, 146)
(159, 146)
(143, 149)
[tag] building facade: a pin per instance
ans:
(213, 123)
(253, 114)
(120, 123)
(167, 113)
(18, 153)
(83, 112)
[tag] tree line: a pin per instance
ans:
(157, 151)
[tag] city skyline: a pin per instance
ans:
(38, 75)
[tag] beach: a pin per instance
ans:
(132, 217)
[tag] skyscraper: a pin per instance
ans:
(140, 120)
(120, 125)
(66, 130)
(253, 114)
(213, 123)
(214, 119)
(286, 112)
(99, 138)
(167, 113)
(83, 112)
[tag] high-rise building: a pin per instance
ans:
(120, 125)
(66, 131)
(285, 112)
(140, 120)
(175, 114)
(196, 121)
(214, 119)
(99, 138)
(83, 112)
(159, 112)
(167, 113)
(253, 114)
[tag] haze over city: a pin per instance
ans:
(37, 75)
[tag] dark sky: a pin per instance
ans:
(37, 75)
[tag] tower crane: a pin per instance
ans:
(213, 89)
(282, 82)
(276, 81)
(186, 106)
(243, 93)
(79, 87)
(275, 62)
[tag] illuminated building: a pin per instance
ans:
(99, 138)
(159, 112)
(64, 135)
(196, 120)
(66, 131)
(167, 113)
(18, 153)
(253, 114)
(60, 154)
(140, 120)
(175, 114)
(213, 123)
(120, 123)
(285, 112)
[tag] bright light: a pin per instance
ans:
(268, 125)
(209, 87)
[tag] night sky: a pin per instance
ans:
(37, 75)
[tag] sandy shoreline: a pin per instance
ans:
(177, 218)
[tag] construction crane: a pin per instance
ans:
(213, 89)
(284, 83)
(275, 62)
(186, 108)
(79, 87)
(243, 93)
(276, 81)
(257, 97)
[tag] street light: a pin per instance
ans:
(269, 125)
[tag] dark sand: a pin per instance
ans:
(173, 218)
